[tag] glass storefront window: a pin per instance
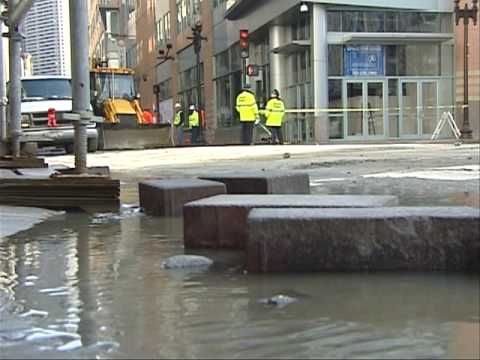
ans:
(413, 60)
(228, 84)
(389, 21)
(335, 102)
(335, 60)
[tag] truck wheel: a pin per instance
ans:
(92, 145)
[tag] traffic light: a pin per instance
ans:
(252, 70)
(244, 44)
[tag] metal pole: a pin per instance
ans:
(3, 119)
(80, 79)
(15, 71)
(199, 83)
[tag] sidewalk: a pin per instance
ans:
(16, 219)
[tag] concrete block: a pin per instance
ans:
(167, 197)
(221, 221)
(264, 183)
(397, 238)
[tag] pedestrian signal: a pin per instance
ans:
(244, 44)
(252, 70)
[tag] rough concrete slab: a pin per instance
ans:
(167, 197)
(16, 219)
(221, 221)
(397, 238)
(259, 182)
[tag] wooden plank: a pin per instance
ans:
(7, 162)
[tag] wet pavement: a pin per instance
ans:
(92, 285)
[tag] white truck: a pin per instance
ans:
(41, 94)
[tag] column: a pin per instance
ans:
(278, 63)
(320, 72)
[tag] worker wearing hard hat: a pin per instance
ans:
(275, 113)
(179, 122)
(194, 123)
(247, 108)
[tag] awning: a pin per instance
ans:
(292, 47)
(388, 38)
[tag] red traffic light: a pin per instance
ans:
(244, 44)
(244, 35)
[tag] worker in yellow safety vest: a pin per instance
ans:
(247, 108)
(275, 113)
(194, 123)
(179, 123)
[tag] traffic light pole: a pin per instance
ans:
(244, 73)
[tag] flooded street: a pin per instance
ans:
(91, 285)
(96, 287)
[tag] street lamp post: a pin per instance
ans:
(466, 14)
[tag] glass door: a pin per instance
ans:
(364, 103)
(409, 108)
(375, 115)
(429, 115)
(418, 107)
(354, 108)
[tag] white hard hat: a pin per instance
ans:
(178, 105)
(192, 107)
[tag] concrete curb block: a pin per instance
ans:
(264, 183)
(398, 238)
(167, 197)
(221, 221)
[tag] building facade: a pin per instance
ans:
(348, 70)
(47, 37)
(112, 31)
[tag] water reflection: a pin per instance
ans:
(96, 288)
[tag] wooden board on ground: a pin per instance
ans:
(7, 162)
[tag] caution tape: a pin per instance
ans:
(343, 110)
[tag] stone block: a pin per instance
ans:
(264, 183)
(167, 197)
(397, 238)
(221, 221)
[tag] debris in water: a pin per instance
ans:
(34, 313)
(186, 262)
(279, 300)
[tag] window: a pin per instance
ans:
(163, 33)
(389, 21)
(413, 60)
(228, 84)
(187, 10)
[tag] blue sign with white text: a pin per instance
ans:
(364, 60)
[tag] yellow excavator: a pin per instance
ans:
(113, 97)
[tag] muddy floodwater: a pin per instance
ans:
(92, 285)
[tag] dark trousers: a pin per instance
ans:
(277, 135)
(247, 132)
(195, 135)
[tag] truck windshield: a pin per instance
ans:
(116, 86)
(51, 89)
